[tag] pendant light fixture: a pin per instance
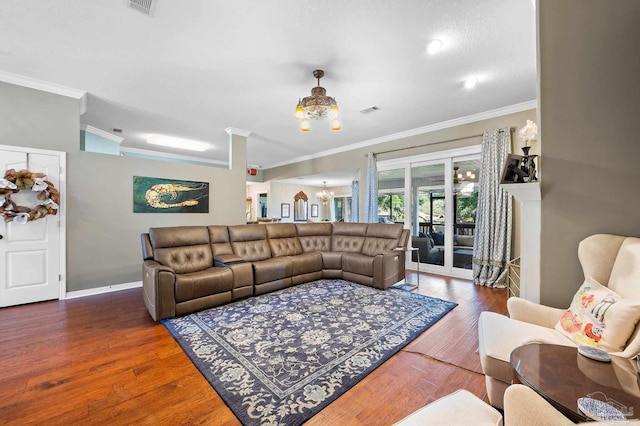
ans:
(317, 106)
(324, 195)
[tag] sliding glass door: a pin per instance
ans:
(428, 212)
(465, 206)
(435, 196)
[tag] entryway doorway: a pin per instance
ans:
(32, 255)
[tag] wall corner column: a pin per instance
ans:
(237, 148)
(528, 194)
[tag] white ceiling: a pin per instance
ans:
(197, 67)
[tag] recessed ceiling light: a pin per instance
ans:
(434, 46)
(179, 143)
(471, 82)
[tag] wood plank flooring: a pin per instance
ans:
(102, 360)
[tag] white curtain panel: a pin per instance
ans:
(354, 201)
(492, 248)
(371, 197)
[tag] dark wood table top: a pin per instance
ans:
(561, 376)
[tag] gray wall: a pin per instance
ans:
(589, 104)
(103, 233)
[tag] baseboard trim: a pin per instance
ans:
(102, 290)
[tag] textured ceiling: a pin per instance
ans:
(197, 67)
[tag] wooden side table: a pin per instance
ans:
(560, 375)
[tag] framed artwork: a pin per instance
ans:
(285, 210)
(314, 210)
(511, 172)
(156, 195)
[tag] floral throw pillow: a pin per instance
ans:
(600, 318)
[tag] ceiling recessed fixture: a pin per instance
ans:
(370, 109)
(179, 143)
(471, 82)
(317, 106)
(145, 6)
(434, 46)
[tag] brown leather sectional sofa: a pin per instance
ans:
(191, 268)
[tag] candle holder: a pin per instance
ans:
(528, 165)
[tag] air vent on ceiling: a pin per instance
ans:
(115, 130)
(145, 6)
(370, 110)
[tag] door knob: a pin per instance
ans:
(1, 237)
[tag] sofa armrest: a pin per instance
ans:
(158, 288)
(533, 313)
(523, 406)
(388, 268)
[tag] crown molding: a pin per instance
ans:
(45, 86)
(498, 112)
(173, 156)
(101, 133)
(236, 131)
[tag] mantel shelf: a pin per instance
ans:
(522, 192)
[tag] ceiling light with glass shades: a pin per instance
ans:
(324, 196)
(317, 106)
(464, 182)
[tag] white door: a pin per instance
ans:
(30, 255)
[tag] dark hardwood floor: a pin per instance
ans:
(102, 360)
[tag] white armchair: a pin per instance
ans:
(523, 407)
(611, 260)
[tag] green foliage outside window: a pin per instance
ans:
(467, 207)
(391, 206)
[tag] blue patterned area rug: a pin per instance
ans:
(280, 358)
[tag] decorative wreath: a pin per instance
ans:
(14, 182)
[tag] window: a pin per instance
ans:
(391, 196)
(342, 208)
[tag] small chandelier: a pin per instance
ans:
(324, 195)
(317, 106)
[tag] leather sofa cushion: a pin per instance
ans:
(184, 260)
(285, 247)
(316, 243)
(182, 248)
(331, 259)
(306, 263)
(314, 236)
(358, 263)
(386, 231)
(283, 240)
(381, 238)
(250, 242)
(281, 230)
(203, 283)
(147, 248)
(348, 237)
(272, 269)
(374, 246)
(347, 243)
(178, 236)
(228, 259)
(219, 239)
